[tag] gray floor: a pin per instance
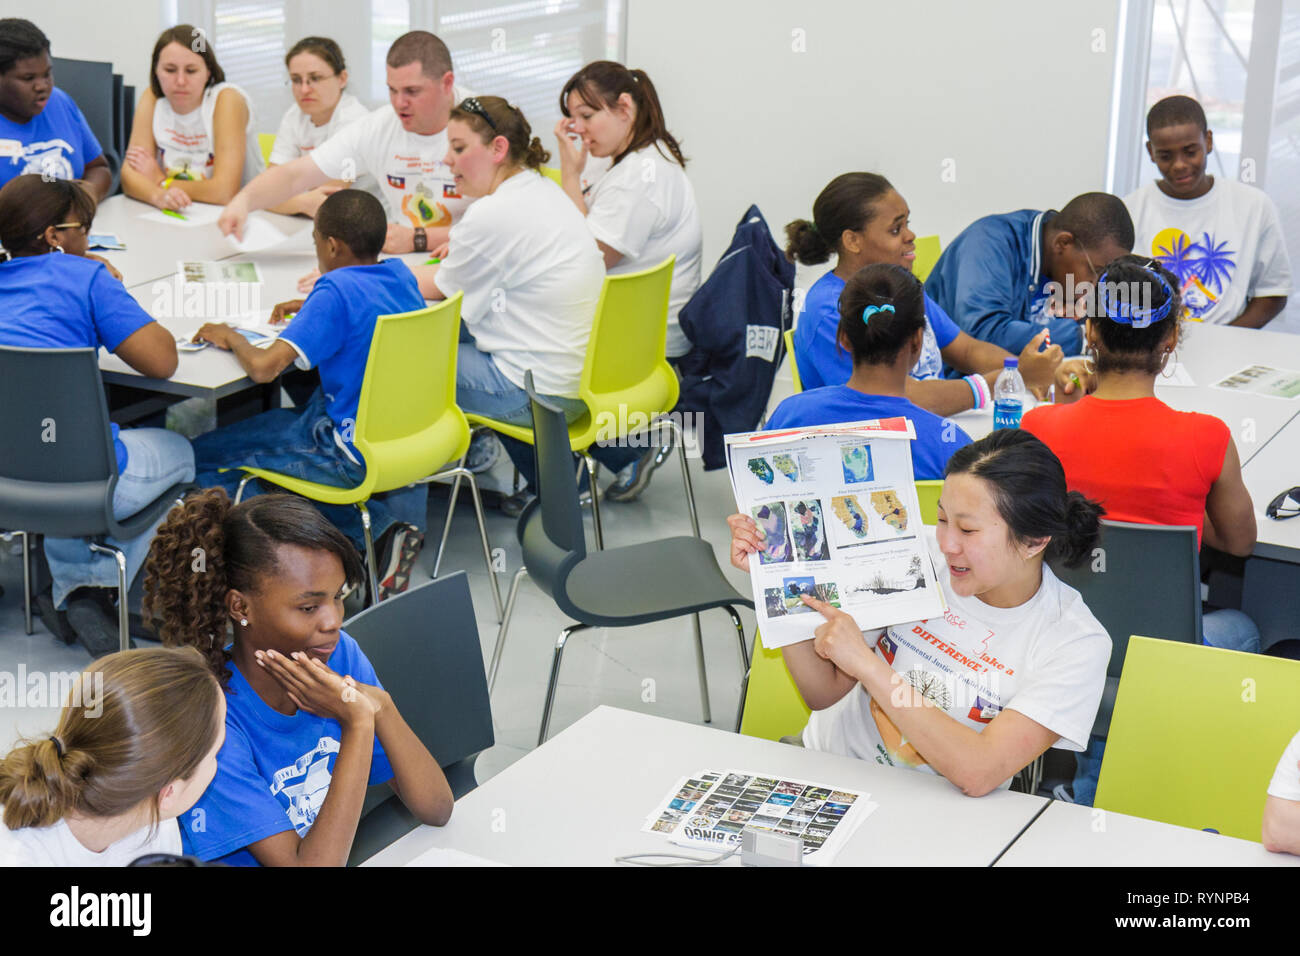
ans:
(649, 669)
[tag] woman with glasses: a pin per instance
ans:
(1144, 461)
(322, 106)
(53, 296)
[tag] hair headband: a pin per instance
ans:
(1128, 313)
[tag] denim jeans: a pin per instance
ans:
(156, 459)
(1227, 629)
(299, 442)
(482, 390)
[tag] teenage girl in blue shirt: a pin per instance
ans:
(861, 219)
(308, 725)
(882, 325)
(53, 296)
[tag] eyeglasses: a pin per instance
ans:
(472, 105)
(73, 225)
(1276, 509)
(311, 79)
(1091, 267)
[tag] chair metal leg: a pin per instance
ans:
(555, 677)
(123, 613)
(451, 509)
(595, 498)
(477, 499)
(744, 663)
(501, 631)
(239, 492)
(370, 555)
(680, 440)
(27, 583)
(699, 667)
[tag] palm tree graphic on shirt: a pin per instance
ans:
(1204, 269)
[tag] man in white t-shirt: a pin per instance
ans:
(402, 146)
(1221, 238)
(1281, 830)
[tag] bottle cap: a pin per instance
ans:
(1010, 362)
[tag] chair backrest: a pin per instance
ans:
(1196, 735)
(424, 645)
(266, 143)
(794, 363)
(408, 424)
(551, 533)
(90, 84)
(625, 364)
(927, 254)
(927, 493)
(58, 468)
(773, 706)
(550, 172)
(1141, 579)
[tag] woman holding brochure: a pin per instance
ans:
(1017, 663)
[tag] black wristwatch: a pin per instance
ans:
(421, 241)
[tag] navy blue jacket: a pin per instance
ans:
(736, 320)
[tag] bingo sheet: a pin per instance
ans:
(711, 809)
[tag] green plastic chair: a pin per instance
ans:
(626, 379)
(266, 143)
(550, 172)
(1196, 734)
(794, 365)
(771, 706)
(408, 424)
(927, 254)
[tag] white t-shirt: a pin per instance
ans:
(56, 846)
(298, 135)
(185, 142)
(415, 183)
(1045, 659)
(531, 275)
(644, 208)
(1225, 247)
(1286, 778)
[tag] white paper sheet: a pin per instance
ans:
(196, 214)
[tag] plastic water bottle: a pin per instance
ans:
(1009, 396)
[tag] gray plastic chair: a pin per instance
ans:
(95, 88)
(58, 469)
(622, 587)
(1151, 586)
(425, 648)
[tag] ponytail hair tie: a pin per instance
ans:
(58, 746)
(871, 310)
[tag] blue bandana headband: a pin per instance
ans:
(1127, 313)
(871, 310)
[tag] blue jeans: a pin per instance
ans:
(156, 459)
(1227, 629)
(299, 442)
(482, 390)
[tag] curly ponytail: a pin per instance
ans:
(804, 243)
(134, 722)
(185, 582)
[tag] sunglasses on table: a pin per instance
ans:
(1286, 505)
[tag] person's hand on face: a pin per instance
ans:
(573, 154)
(315, 688)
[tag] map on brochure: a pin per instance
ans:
(203, 272)
(837, 510)
(714, 807)
(1263, 380)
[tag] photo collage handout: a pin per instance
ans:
(713, 808)
(839, 518)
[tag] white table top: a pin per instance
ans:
(1066, 834)
(582, 798)
(1274, 469)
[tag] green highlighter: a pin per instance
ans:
(173, 213)
(432, 261)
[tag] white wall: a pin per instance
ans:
(1008, 92)
(121, 32)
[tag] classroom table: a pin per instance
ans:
(1068, 834)
(1273, 469)
(582, 797)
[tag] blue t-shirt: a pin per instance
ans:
(936, 438)
(56, 143)
(334, 327)
(57, 301)
(822, 361)
(274, 770)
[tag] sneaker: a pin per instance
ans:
(484, 450)
(665, 450)
(399, 547)
(55, 621)
(512, 506)
(95, 623)
(1060, 793)
(633, 479)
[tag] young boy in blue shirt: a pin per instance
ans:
(41, 129)
(331, 331)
